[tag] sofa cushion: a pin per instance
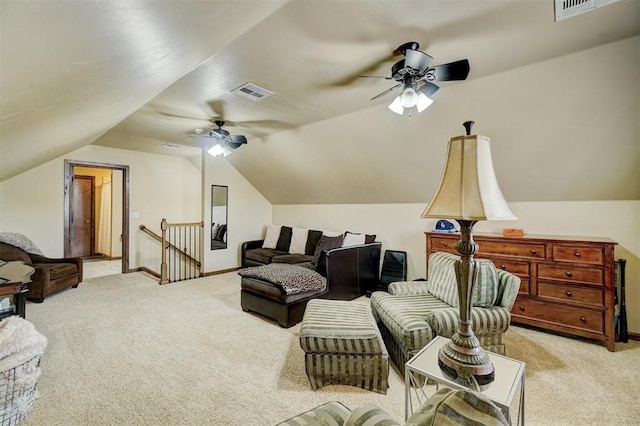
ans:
(298, 241)
(326, 243)
(442, 281)
(284, 240)
(263, 255)
(271, 236)
(405, 316)
(291, 258)
(312, 241)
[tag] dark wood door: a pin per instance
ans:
(83, 216)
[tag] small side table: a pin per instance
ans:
(14, 277)
(509, 375)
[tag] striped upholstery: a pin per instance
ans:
(409, 317)
(405, 316)
(371, 415)
(330, 414)
(343, 346)
(458, 407)
(443, 283)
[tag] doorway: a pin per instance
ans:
(96, 211)
(83, 218)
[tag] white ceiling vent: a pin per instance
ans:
(252, 92)
(569, 8)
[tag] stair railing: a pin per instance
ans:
(181, 250)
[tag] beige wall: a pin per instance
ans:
(160, 186)
(399, 227)
(248, 213)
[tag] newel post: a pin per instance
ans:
(163, 266)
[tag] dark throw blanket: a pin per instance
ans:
(293, 279)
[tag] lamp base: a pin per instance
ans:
(464, 356)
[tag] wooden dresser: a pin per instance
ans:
(567, 282)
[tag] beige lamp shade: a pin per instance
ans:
(469, 189)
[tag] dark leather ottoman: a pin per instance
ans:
(272, 302)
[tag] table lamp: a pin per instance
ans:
(468, 192)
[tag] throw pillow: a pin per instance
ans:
(214, 230)
(326, 243)
(221, 232)
(271, 237)
(351, 239)
(284, 240)
(312, 242)
(298, 241)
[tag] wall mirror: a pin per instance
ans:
(219, 199)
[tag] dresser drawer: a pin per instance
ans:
(569, 273)
(442, 244)
(524, 287)
(526, 250)
(560, 315)
(517, 268)
(571, 294)
(566, 253)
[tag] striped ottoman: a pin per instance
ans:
(342, 345)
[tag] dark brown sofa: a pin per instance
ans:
(51, 275)
(350, 272)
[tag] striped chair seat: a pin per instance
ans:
(342, 345)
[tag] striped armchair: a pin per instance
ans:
(413, 313)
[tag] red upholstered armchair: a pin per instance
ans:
(51, 275)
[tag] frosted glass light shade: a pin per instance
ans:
(469, 189)
(219, 149)
(396, 106)
(409, 97)
(423, 102)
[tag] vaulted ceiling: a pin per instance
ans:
(137, 75)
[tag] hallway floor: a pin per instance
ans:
(100, 268)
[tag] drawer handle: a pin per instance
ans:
(533, 251)
(446, 244)
(568, 273)
(583, 319)
(521, 308)
(568, 293)
(576, 254)
(503, 267)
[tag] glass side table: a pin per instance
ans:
(509, 377)
(14, 277)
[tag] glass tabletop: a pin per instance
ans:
(508, 372)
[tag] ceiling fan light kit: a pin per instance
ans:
(223, 142)
(416, 77)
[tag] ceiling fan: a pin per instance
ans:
(222, 143)
(417, 77)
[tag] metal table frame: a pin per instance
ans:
(509, 375)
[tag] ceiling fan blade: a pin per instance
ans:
(376, 76)
(234, 141)
(458, 70)
(417, 60)
(387, 91)
(429, 88)
(204, 135)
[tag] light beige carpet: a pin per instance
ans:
(124, 350)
